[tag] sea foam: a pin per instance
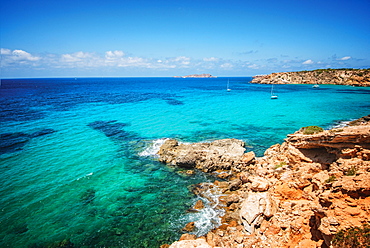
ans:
(208, 217)
(153, 148)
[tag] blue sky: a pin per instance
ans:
(74, 38)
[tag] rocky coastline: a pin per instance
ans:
(353, 77)
(301, 193)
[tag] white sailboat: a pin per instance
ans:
(272, 93)
(228, 88)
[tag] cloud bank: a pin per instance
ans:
(119, 63)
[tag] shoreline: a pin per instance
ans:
(301, 193)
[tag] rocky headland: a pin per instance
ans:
(204, 75)
(353, 77)
(302, 193)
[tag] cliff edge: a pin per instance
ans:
(354, 77)
(301, 193)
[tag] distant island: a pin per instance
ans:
(204, 75)
(345, 76)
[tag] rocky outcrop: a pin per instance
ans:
(207, 157)
(354, 77)
(299, 194)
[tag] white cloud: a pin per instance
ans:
(253, 66)
(345, 58)
(226, 66)
(308, 62)
(22, 55)
(18, 57)
(112, 55)
(5, 51)
(211, 59)
(79, 59)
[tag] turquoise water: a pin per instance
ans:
(76, 156)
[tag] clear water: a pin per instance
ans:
(74, 158)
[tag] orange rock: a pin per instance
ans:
(189, 227)
(199, 205)
(272, 230)
(188, 236)
(352, 211)
(308, 243)
(288, 192)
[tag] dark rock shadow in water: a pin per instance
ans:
(112, 129)
(13, 142)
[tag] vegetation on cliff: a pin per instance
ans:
(353, 237)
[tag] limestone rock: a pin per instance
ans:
(189, 227)
(198, 243)
(258, 183)
(216, 155)
(254, 208)
(299, 194)
(199, 205)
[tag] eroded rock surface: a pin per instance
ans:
(299, 194)
(216, 155)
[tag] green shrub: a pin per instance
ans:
(311, 130)
(352, 238)
(351, 171)
(331, 179)
(280, 165)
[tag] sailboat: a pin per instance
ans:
(272, 93)
(227, 88)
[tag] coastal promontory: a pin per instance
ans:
(313, 190)
(353, 77)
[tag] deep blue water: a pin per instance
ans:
(75, 154)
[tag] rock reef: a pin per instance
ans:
(299, 194)
(354, 77)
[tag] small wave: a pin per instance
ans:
(153, 148)
(87, 175)
(339, 124)
(209, 217)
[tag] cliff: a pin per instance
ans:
(354, 77)
(204, 75)
(301, 193)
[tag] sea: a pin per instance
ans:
(78, 164)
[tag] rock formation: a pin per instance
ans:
(299, 194)
(355, 77)
(207, 157)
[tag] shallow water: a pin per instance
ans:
(75, 155)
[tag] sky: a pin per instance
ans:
(155, 38)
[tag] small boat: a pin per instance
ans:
(315, 86)
(227, 88)
(272, 93)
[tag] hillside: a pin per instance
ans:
(354, 77)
